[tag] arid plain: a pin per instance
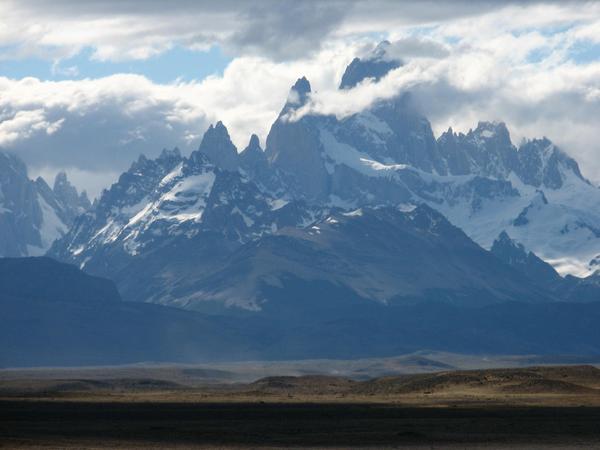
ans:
(365, 403)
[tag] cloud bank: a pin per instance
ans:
(278, 29)
(102, 125)
(534, 65)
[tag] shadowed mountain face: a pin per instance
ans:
(54, 314)
(48, 280)
(382, 256)
(70, 318)
(527, 263)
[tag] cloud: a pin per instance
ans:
(285, 30)
(101, 125)
(417, 47)
(465, 61)
(497, 68)
(278, 29)
(343, 103)
(94, 125)
(94, 115)
(122, 30)
(26, 123)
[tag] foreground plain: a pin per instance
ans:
(528, 407)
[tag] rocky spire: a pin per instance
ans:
(297, 96)
(253, 159)
(375, 65)
(67, 194)
(217, 146)
(302, 89)
(253, 146)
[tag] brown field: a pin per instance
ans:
(194, 407)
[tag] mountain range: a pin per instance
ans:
(336, 233)
(172, 227)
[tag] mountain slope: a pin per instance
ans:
(42, 278)
(383, 255)
(527, 263)
(54, 315)
(378, 255)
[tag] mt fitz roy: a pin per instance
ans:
(371, 207)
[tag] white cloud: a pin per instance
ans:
(103, 124)
(95, 125)
(125, 30)
(26, 123)
(499, 68)
(278, 29)
(466, 62)
(417, 47)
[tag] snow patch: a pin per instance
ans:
(247, 220)
(175, 173)
(50, 229)
(344, 154)
(356, 213)
(406, 207)
(277, 203)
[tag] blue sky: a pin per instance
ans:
(173, 64)
(180, 63)
(585, 52)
